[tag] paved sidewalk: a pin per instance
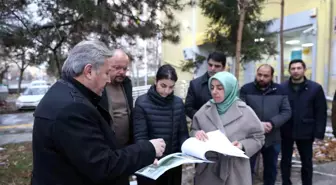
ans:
(323, 174)
(15, 138)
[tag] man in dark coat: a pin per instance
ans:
(198, 91)
(271, 105)
(72, 140)
(308, 121)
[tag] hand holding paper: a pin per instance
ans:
(201, 135)
(206, 148)
(156, 161)
(237, 144)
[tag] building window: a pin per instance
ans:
(299, 44)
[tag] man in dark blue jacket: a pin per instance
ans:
(271, 105)
(198, 91)
(308, 121)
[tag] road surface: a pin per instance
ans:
(17, 122)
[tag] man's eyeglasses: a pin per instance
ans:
(119, 68)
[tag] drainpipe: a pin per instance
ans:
(327, 63)
(194, 32)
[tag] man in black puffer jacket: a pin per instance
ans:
(271, 105)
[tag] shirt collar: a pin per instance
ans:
(89, 94)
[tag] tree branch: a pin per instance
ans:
(26, 26)
(56, 25)
(59, 44)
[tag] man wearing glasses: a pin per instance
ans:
(118, 100)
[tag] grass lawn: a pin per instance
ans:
(16, 164)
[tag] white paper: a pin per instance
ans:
(216, 142)
(193, 151)
(166, 163)
(195, 147)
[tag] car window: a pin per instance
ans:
(35, 91)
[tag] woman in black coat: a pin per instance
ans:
(160, 114)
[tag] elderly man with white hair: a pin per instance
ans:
(72, 140)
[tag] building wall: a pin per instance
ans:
(173, 53)
(326, 10)
(325, 13)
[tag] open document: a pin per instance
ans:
(194, 151)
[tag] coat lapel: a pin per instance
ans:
(213, 115)
(232, 114)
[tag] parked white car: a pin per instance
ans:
(38, 83)
(31, 97)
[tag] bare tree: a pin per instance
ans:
(136, 50)
(62, 24)
(242, 5)
(4, 66)
(23, 58)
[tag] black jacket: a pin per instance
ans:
(198, 95)
(309, 111)
(270, 105)
(127, 85)
(158, 117)
(73, 143)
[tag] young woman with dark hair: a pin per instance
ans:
(160, 114)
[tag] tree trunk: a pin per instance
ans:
(57, 63)
(20, 80)
(22, 69)
(3, 72)
(137, 76)
(282, 65)
(242, 13)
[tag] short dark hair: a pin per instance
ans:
(218, 57)
(267, 65)
(166, 72)
(297, 61)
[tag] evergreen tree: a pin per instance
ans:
(60, 24)
(224, 23)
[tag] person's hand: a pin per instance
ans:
(159, 146)
(201, 135)
(156, 162)
(267, 126)
(237, 144)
